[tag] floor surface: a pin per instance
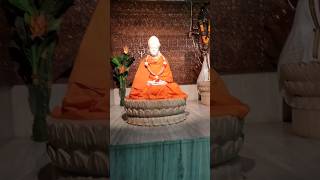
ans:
(272, 152)
(196, 125)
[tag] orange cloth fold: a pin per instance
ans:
(140, 89)
(87, 96)
(222, 102)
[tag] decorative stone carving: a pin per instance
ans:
(300, 87)
(156, 121)
(154, 112)
(204, 91)
(226, 135)
(79, 146)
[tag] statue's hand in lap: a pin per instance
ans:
(156, 83)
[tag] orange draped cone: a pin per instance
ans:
(222, 102)
(87, 96)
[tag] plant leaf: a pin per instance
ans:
(34, 59)
(116, 62)
(24, 5)
(20, 28)
(27, 18)
(54, 24)
(129, 61)
(55, 7)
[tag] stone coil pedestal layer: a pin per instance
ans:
(154, 112)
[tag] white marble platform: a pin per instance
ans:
(197, 125)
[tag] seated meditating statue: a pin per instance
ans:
(153, 79)
(155, 99)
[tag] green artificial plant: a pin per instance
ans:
(35, 33)
(121, 65)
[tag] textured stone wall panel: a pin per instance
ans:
(248, 35)
(238, 35)
(72, 30)
(132, 23)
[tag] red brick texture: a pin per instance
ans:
(132, 23)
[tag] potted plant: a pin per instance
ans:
(35, 34)
(121, 65)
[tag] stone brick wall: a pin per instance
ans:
(238, 35)
(72, 30)
(132, 23)
(249, 34)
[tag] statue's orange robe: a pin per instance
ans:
(222, 102)
(140, 89)
(87, 96)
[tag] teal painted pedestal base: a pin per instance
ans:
(167, 160)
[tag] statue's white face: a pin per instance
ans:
(154, 46)
(154, 50)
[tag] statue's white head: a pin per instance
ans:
(154, 46)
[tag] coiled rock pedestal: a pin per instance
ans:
(79, 147)
(226, 134)
(204, 91)
(154, 112)
(300, 83)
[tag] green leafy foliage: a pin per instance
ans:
(121, 65)
(116, 62)
(122, 61)
(24, 5)
(36, 24)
